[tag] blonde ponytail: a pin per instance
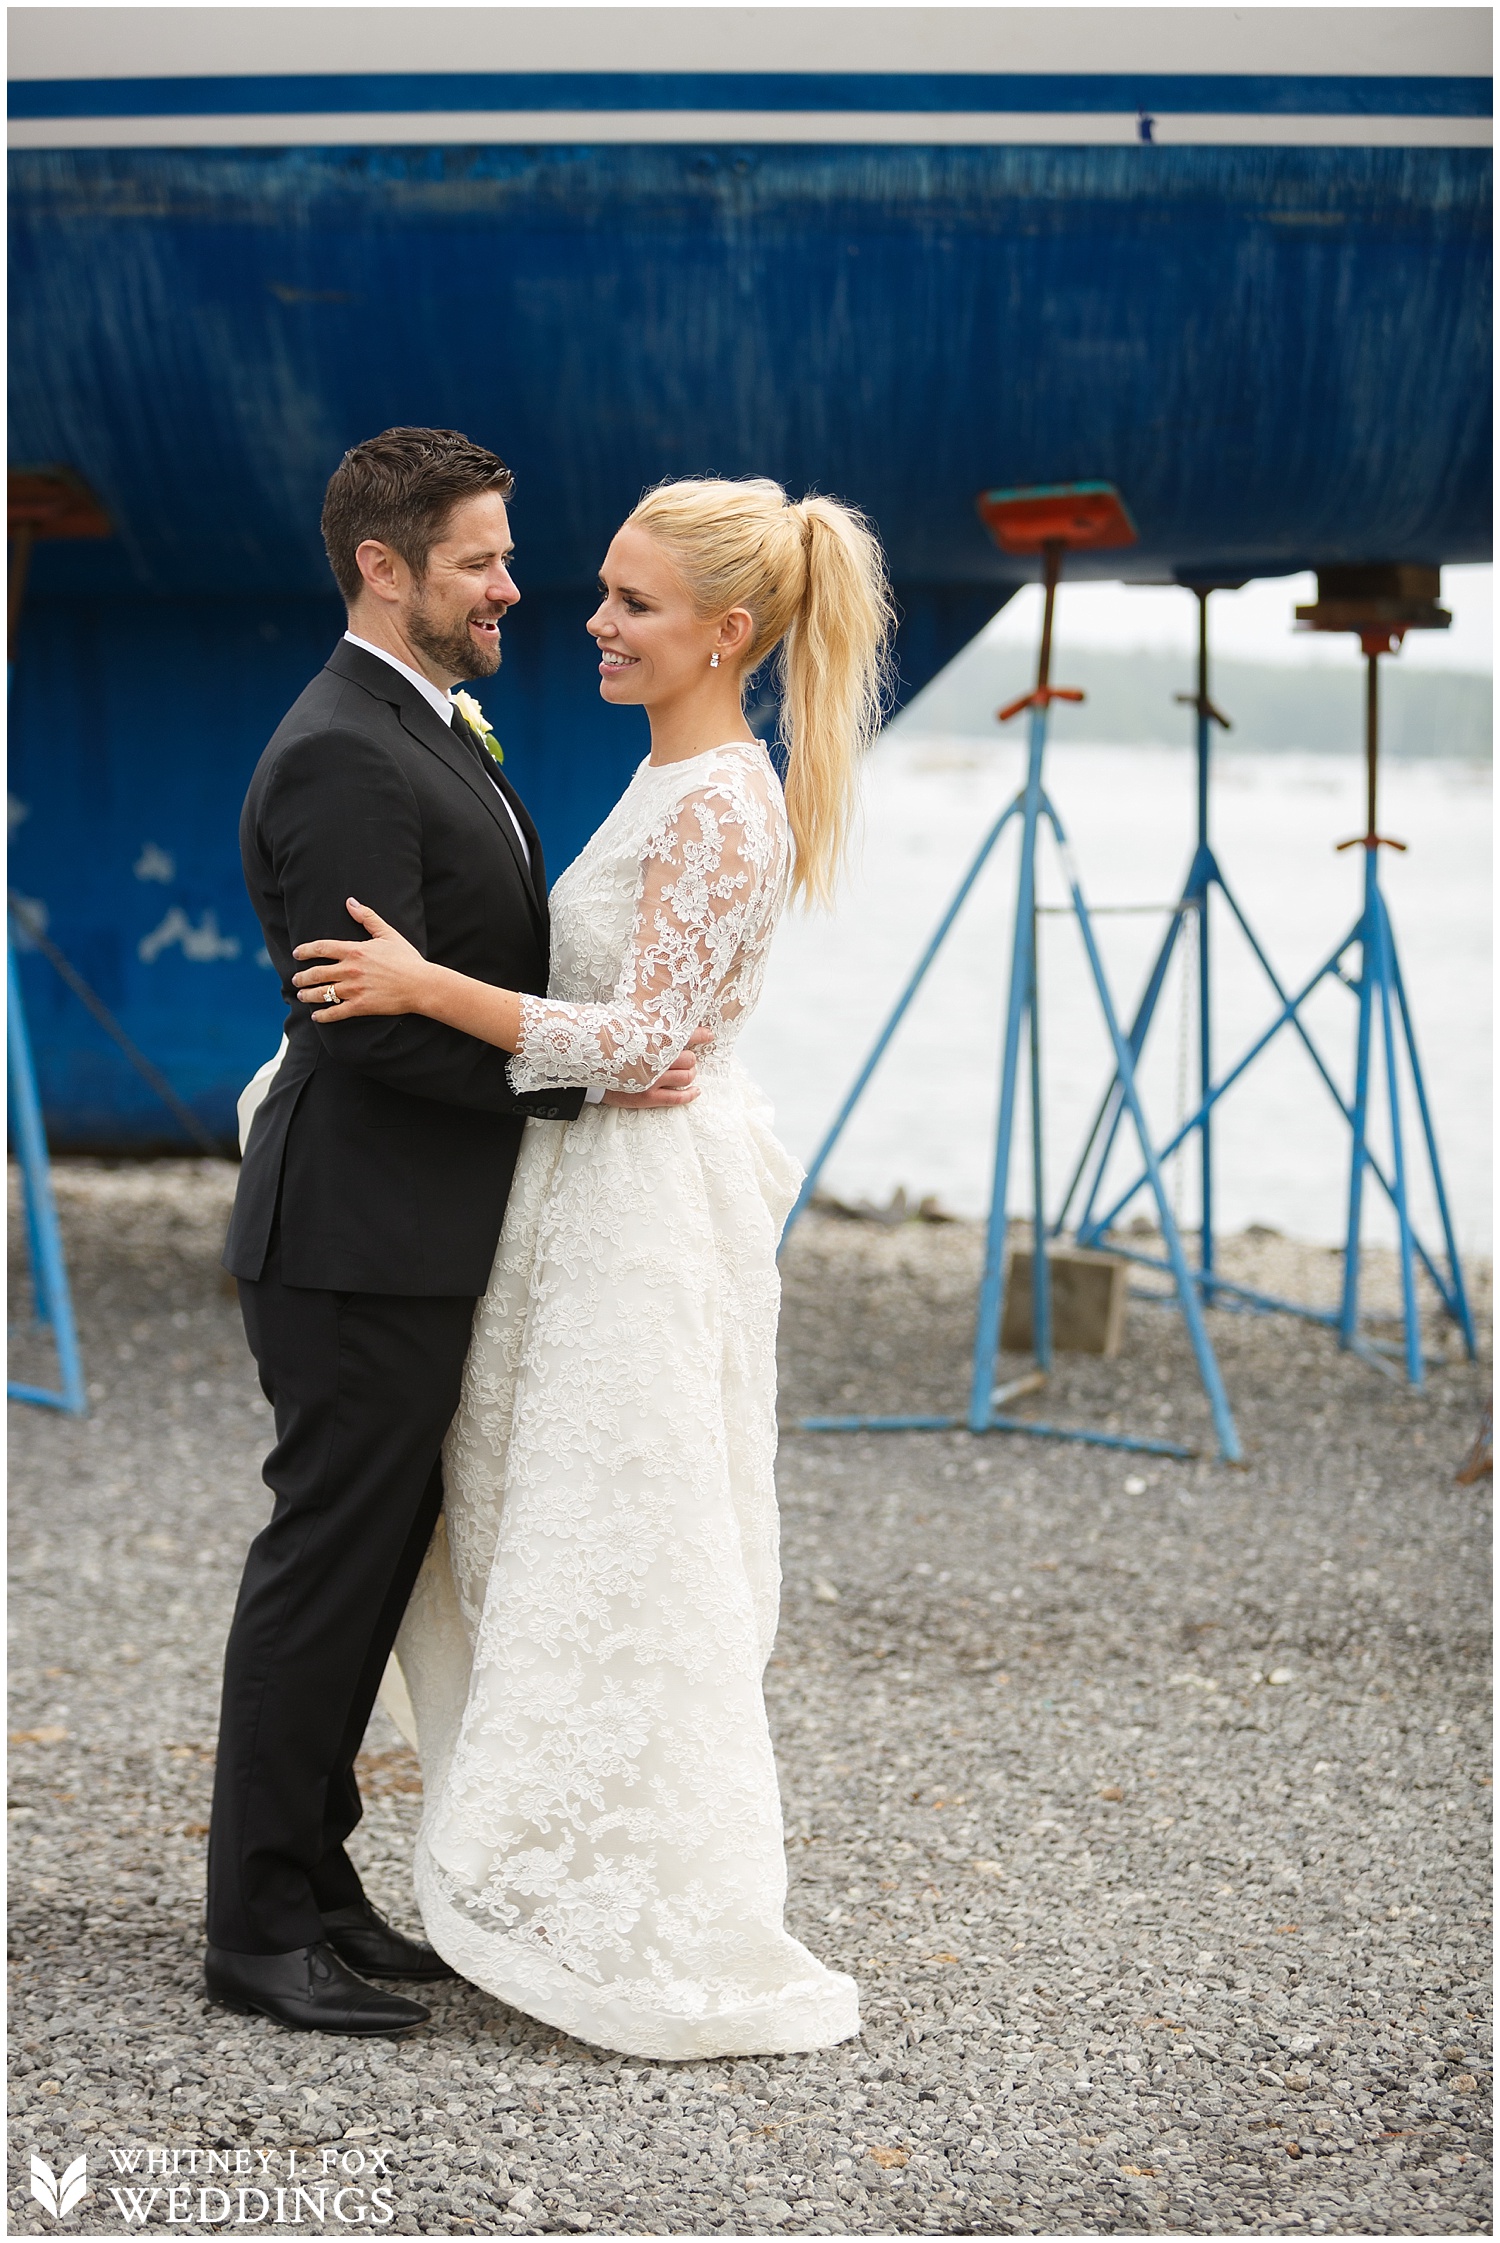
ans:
(813, 578)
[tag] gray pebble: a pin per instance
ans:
(1152, 1823)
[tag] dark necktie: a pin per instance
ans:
(465, 733)
(476, 748)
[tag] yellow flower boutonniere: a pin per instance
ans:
(475, 718)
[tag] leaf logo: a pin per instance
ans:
(59, 2197)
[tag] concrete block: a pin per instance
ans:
(1088, 1301)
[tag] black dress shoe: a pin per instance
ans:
(364, 1940)
(309, 1989)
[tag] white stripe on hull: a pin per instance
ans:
(581, 127)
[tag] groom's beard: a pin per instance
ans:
(451, 647)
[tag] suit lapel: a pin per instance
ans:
(421, 720)
(426, 725)
(484, 774)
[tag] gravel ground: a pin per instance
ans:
(1146, 1800)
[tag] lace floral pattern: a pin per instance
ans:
(710, 882)
(601, 1842)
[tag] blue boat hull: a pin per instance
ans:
(1280, 355)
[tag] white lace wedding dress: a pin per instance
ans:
(601, 1841)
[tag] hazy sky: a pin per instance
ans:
(1255, 625)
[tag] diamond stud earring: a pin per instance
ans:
(713, 661)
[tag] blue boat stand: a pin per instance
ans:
(1192, 905)
(52, 1301)
(986, 1404)
(1380, 990)
(49, 1273)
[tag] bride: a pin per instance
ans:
(601, 1842)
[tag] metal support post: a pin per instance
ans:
(1041, 1277)
(1379, 981)
(49, 1271)
(987, 1324)
(1207, 714)
(52, 503)
(1203, 877)
(1359, 1117)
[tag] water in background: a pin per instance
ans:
(927, 1121)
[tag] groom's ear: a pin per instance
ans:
(382, 570)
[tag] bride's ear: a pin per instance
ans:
(732, 642)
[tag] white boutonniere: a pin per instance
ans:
(475, 718)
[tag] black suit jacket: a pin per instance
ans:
(390, 1143)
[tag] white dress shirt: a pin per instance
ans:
(445, 709)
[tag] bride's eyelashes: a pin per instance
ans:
(632, 602)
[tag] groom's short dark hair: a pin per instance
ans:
(400, 487)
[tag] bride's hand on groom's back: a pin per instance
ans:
(677, 1087)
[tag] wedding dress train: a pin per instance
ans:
(601, 1840)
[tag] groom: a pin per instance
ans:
(369, 1206)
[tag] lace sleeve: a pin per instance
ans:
(702, 895)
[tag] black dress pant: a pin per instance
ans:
(364, 1386)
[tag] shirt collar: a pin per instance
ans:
(429, 692)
